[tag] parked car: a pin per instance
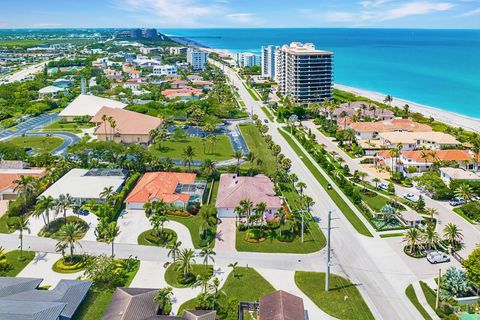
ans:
(382, 186)
(329, 186)
(456, 202)
(411, 197)
(265, 120)
(437, 257)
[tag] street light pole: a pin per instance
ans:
(303, 222)
(327, 275)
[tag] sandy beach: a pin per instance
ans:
(451, 118)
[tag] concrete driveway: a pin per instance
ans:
(226, 231)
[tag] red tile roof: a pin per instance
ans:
(442, 155)
(161, 186)
(182, 92)
(7, 179)
(390, 126)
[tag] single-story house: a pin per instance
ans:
(87, 105)
(416, 140)
(449, 174)
(133, 84)
(84, 185)
(233, 189)
(20, 298)
(281, 305)
(138, 304)
(175, 188)
(410, 218)
(8, 178)
(178, 83)
(63, 83)
(185, 93)
(204, 84)
(129, 126)
(50, 91)
(370, 130)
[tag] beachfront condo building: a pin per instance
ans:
(268, 61)
(247, 59)
(196, 58)
(303, 73)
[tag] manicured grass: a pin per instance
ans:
(172, 276)
(174, 149)
(247, 286)
(251, 92)
(460, 212)
(375, 202)
(259, 147)
(39, 144)
(313, 242)
(342, 301)
(410, 292)
(268, 114)
(71, 127)
(431, 297)
(148, 238)
(97, 300)
(15, 263)
(193, 224)
(56, 224)
(339, 201)
(391, 235)
(60, 266)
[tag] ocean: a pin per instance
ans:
(438, 68)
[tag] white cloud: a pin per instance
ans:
(473, 12)
(415, 9)
(242, 17)
(373, 3)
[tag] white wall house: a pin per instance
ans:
(165, 70)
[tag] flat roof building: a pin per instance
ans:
(196, 58)
(87, 105)
(268, 61)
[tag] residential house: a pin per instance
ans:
(63, 83)
(185, 93)
(138, 304)
(84, 185)
(178, 83)
(279, 305)
(147, 63)
(178, 189)
(233, 189)
(362, 110)
(450, 174)
(418, 139)
(370, 130)
(204, 84)
(134, 74)
(423, 160)
(126, 127)
(113, 74)
(165, 70)
(50, 91)
(133, 84)
(11, 171)
(87, 105)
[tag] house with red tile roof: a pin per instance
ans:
(8, 176)
(233, 189)
(423, 160)
(126, 126)
(175, 188)
(185, 93)
(370, 130)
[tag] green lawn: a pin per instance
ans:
(56, 224)
(391, 235)
(40, 144)
(257, 145)
(375, 202)
(339, 201)
(15, 264)
(342, 301)
(148, 238)
(174, 149)
(410, 292)
(193, 224)
(430, 295)
(248, 286)
(268, 114)
(460, 212)
(71, 127)
(97, 300)
(172, 276)
(251, 92)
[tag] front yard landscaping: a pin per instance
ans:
(175, 278)
(51, 231)
(38, 144)
(72, 127)
(256, 143)
(12, 263)
(342, 301)
(150, 238)
(65, 265)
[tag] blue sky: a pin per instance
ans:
(240, 13)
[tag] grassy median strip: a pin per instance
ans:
(412, 296)
(268, 114)
(250, 91)
(431, 298)
(341, 204)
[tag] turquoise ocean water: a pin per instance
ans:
(439, 68)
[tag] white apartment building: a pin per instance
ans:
(165, 70)
(247, 59)
(196, 58)
(268, 61)
(304, 73)
(177, 50)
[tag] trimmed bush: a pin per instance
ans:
(471, 210)
(65, 266)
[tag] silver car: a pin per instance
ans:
(437, 257)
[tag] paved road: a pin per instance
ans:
(69, 139)
(380, 273)
(33, 123)
(446, 215)
(30, 70)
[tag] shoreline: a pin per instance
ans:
(448, 117)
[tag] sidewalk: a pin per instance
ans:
(423, 301)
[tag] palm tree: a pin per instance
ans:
(203, 280)
(106, 193)
(168, 164)
(260, 209)
(251, 157)
(376, 181)
(104, 120)
(26, 185)
(174, 250)
(164, 299)
(110, 233)
(413, 237)
(153, 134)
(238, 155)
(69, 234)
(431, 212)
(207, 253)
(239, 211)
(234, 266)
(388, 99)
(431, 238)
(185, 261)
(43, 207)
(208, 168)
(157, 220)
(21, 224)
(452, 234)
(63, 203)
(465, 192)
(301, 186)
(188, 155)
(247, 206)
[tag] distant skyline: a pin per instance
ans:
(434, 14)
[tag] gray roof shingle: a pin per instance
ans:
(12, 285)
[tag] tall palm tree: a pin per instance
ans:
(26, 185)
(431, 238)
(238, 155)
(153, 135)
(413, 237)
(247, 206)
(260, 209)
(208, 168)
(376, 181)
(104, 120)
(239, 211)
(110, 233)
(43, 207)
(174, 250)
(465, 192)
(69, 234)
(185, 261)
(106, 193)
(207, 253)
(164, 299)
(431, 212)
(234, 266)
(251, 157)
(168, 164)
(301, 186)
(452, 234)
(157, 220)
(188, 155)
(21, 224)
(63, 203)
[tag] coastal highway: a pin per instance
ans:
(379, 273)
(28, 71)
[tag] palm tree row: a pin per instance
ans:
(418, 240)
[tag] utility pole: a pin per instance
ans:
(303, 222)
(327, 275)
(437, 301)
